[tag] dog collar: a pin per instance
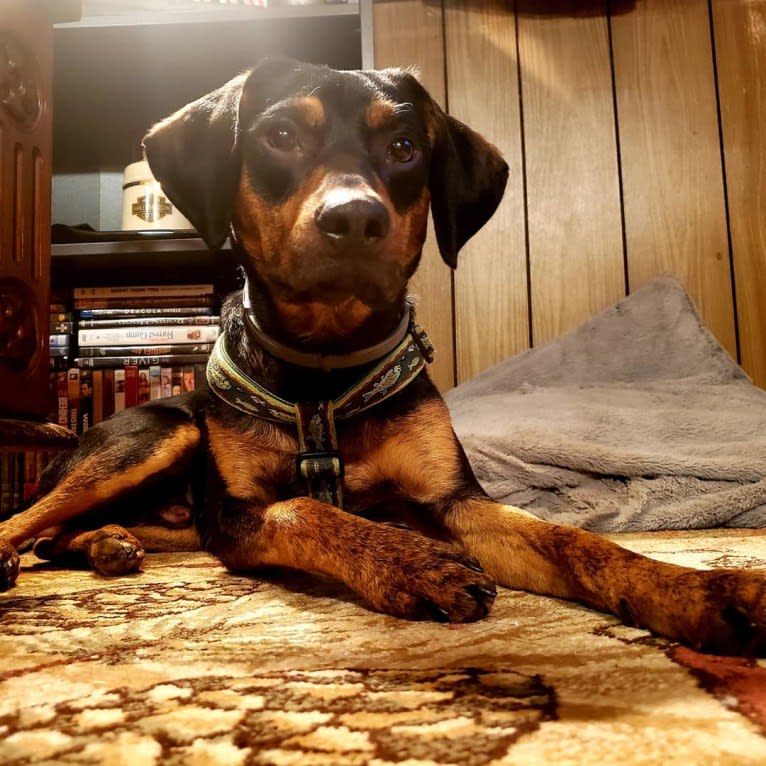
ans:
(319, 462)
(324, 362)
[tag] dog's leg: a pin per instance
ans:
(104, 467)
(397, 572)
(112, 549)
(721, 610)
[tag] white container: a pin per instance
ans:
(145, 205)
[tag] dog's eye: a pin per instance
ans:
(283, 137)
(401, 150)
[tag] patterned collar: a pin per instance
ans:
(319, 462)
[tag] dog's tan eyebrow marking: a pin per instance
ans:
(312, 110)
(381, 111)
(308, 110)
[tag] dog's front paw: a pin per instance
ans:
(114, 551)
(418, 578)
(721, 611)
(9, 566)
(732, 617)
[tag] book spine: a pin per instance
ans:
(34, 464)
(166, 381)
(187, 373)
(142, 291)
(5, 485)
(98, 396)
(132, 303)
(30, 474)
(85, 419)
(148, 335)
(62, 390)
(155, 382)
(57, 327)
(145, 312)
(148, 322)
(53, 402)
(58, 362)
(103, 362)
(200, 376)
(131, 386)
(177, 380)
(58, 339)
(73, 398)
(18, 480)
(144, 387)
(119, 390)
(59, 352)
(171, 348)
(109, 393)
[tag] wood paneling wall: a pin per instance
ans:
(636, 135)
(410, 33)
(675, 211)
(573, 192)
(740, 43)
(491, 314)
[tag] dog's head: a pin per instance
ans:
(326, 177)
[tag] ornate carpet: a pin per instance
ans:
(187, 664)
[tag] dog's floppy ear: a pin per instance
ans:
(194, 155)
(467, 180)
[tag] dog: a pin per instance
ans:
(320, 443)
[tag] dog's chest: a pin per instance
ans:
(380, 461)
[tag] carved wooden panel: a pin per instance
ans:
(25, 160)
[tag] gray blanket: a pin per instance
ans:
(637, 420)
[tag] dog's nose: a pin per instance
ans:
(356, 221)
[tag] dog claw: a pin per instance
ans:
(728, 609)
(399, 525)
(434, 612)
(482, 591)
(484, 595)
(114, 554)
(742, 626)
(471, 563)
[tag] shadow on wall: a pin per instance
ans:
(574, 8)
(571, 8)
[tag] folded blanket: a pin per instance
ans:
(637, 420)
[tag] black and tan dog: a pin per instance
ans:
(319, 422)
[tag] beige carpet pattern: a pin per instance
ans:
(187, 664)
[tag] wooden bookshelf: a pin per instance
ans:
(156, 261)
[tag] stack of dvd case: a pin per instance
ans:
(135, 344)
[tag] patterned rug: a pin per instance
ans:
(187, 664)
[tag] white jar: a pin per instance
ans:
(145, 205)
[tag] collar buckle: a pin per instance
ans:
(319, 465)
(423, 342)
(323, 474)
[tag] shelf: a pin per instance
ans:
(156, 261)
(112, 83)
(116, 74)
(148, 246)
(18, 435)
(214, 14)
